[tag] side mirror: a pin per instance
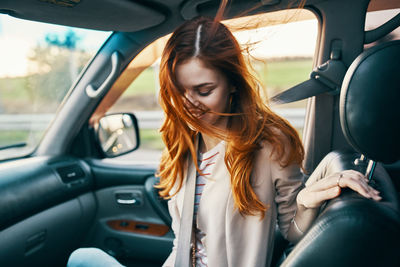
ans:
(118, 134)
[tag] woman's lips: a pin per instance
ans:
(197, 113)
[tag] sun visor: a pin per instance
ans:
(106, 15)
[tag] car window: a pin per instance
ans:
(281, 49)
(374, 19)
(39, 63)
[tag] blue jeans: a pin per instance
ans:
(91, 257)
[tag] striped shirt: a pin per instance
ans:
(206, 162)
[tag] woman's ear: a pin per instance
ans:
(233, 89)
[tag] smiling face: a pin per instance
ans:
(207, 89)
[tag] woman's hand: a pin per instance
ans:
(329, 187)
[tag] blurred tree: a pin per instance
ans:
(55, 65)
(68, 41)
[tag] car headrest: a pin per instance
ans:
(370, 100)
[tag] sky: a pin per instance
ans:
(18, 37)
(296, 39)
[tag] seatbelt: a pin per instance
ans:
(301, 91)
(326, 78)
(186, 224)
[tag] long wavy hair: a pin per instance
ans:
(250, 121)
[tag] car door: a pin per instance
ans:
(131, 223)
(47, 199)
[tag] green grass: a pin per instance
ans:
(9, 137)
(14, 88)
(151, 139)
(144, 84)
(13, 137)
(280, 75)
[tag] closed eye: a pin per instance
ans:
(205, 91)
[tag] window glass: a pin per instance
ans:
(283, 57)
(374, 19)
(39, 63)
(281, 47)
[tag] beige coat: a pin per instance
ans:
(241, 241)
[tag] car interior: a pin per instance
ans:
(73, 189)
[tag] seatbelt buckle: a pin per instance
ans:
(331, 74)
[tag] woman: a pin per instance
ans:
(225, 146)
(246, 160)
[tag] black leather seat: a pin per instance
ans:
(352, 230)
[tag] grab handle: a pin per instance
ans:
(115, 63)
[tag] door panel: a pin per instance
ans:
(159, 205)
(132, 223)
(48, 237)
(29, 186)
(113, 172)
(44, 202)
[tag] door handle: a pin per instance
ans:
(134, 198)
(126, 201)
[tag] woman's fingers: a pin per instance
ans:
(331, 180)
(348, 178)
(356, 181)
(314, 199)
(314, 195)
(360, 186)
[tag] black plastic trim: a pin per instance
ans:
(109, 173)
(158, 204)
(29, 186)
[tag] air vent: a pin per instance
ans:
(70, 173)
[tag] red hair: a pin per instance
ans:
(250, 122)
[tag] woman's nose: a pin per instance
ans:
(190, 99)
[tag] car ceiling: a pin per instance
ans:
(136, 15)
